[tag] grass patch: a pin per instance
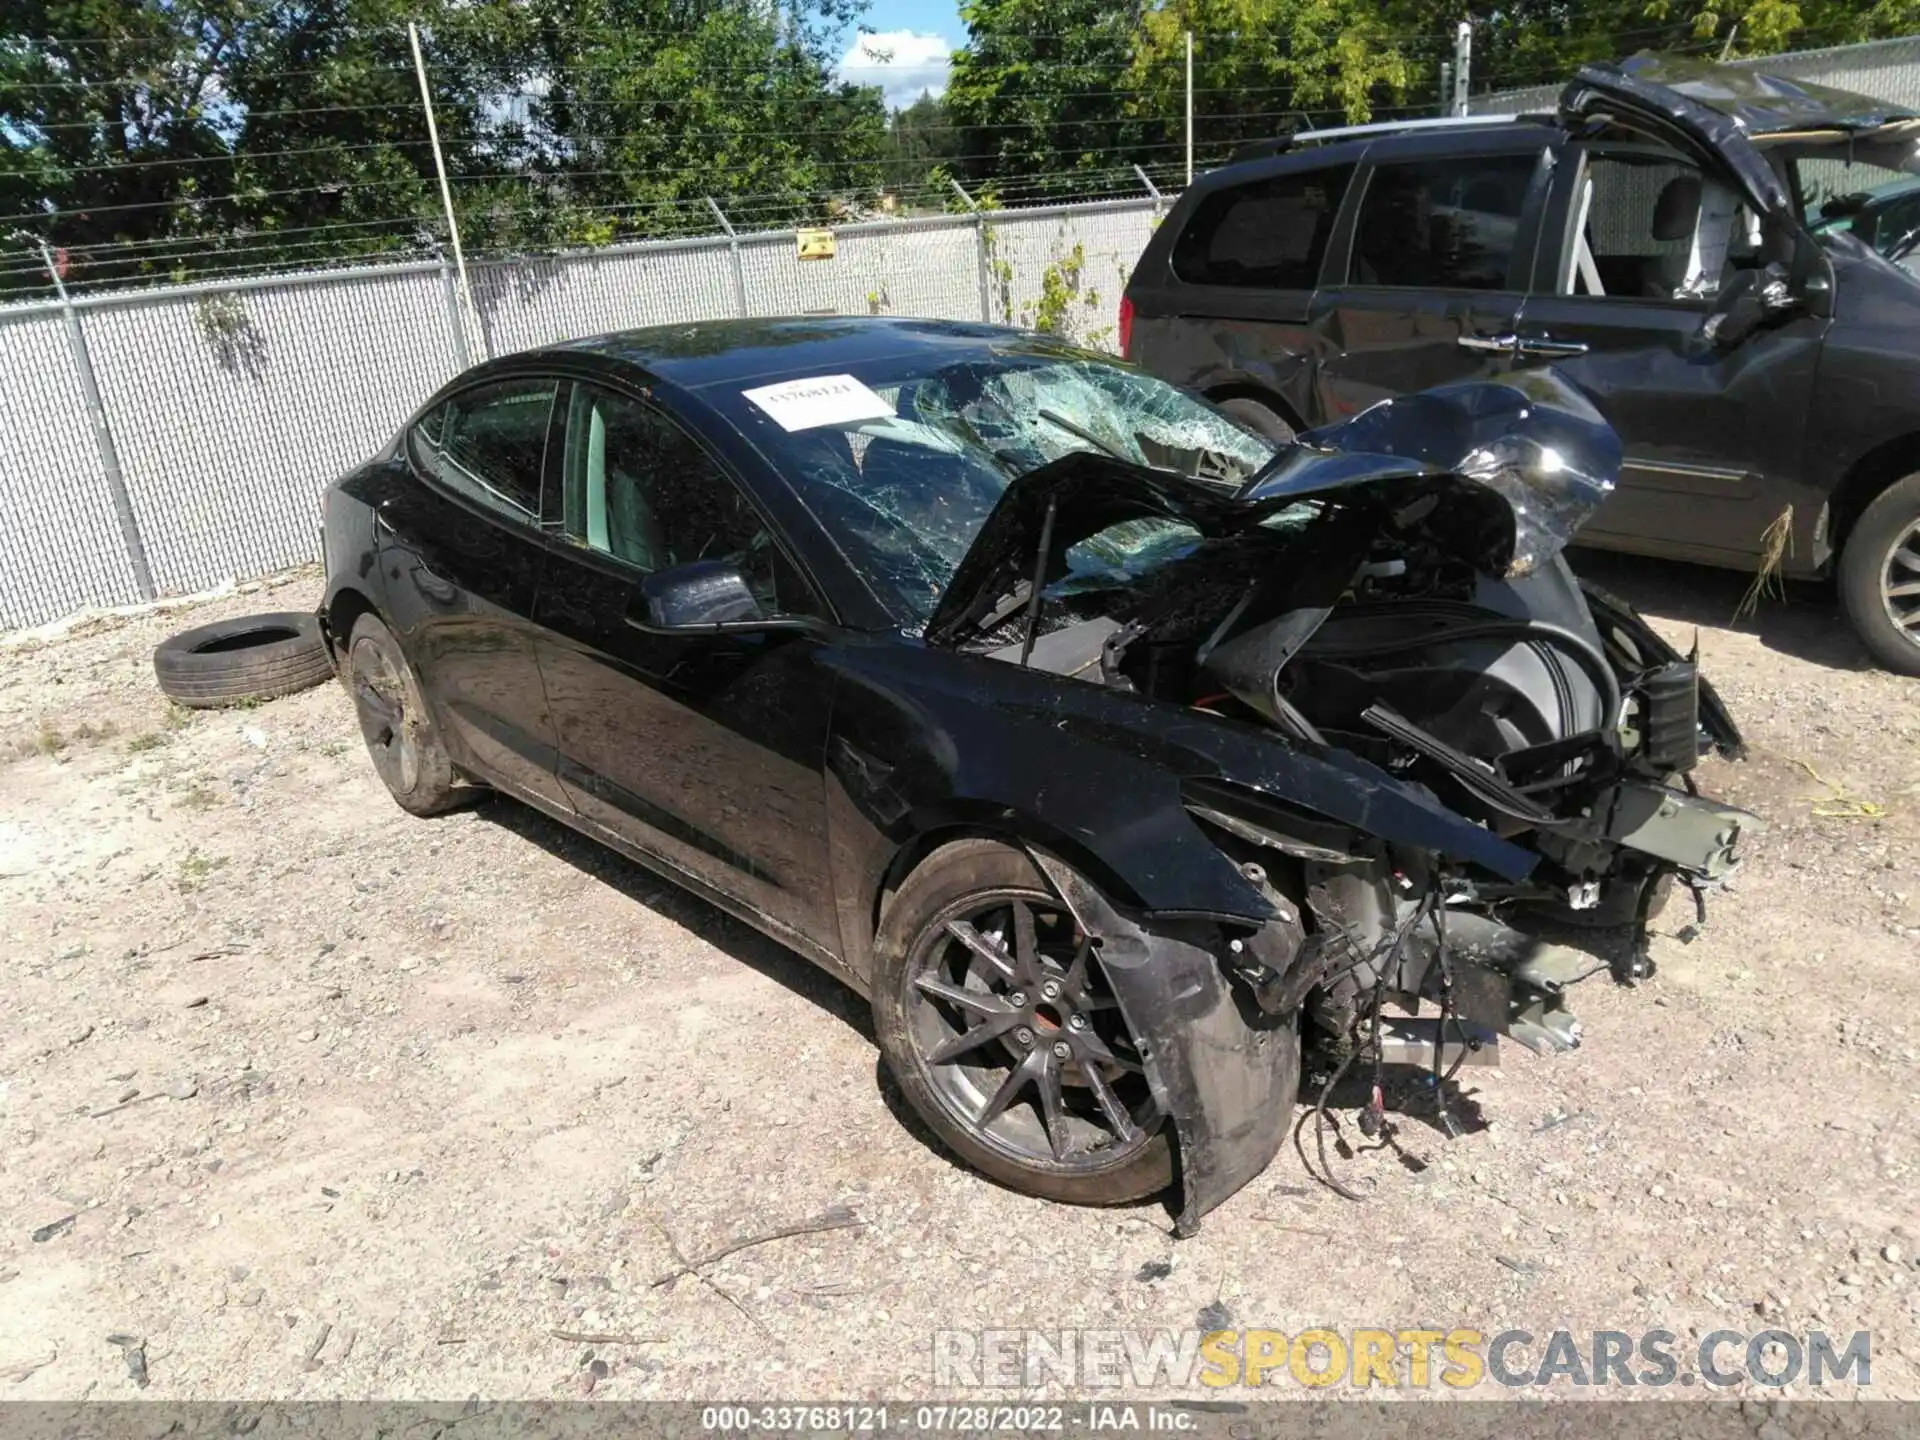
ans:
(195, 868)
(105, 730)
(178, 716)
(140, 744)
(198, 797)
(1776, 543)
(48, 741)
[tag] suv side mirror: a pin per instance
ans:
(704, 597)
(1747, 301)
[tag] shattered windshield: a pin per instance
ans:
(902, 462)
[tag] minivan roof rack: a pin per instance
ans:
(1259, 149)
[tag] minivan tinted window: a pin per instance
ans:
(1270, 234)
(1441, 223)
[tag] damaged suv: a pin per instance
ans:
(1103, 743)
(1722, 260)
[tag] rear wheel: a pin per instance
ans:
(996, 1019)
(401, 737)
(1880, 577)
(1259, 418)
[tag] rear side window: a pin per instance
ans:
(490, 443)
(1449, 224)
(1268, 235)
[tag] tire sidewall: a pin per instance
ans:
(1862, 572)
(213, 665)
(945, 877)
(1261, 418)
(432, 788)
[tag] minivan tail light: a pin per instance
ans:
(1126, 327)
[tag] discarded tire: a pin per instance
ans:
(253, 657)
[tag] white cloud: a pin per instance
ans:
(903, 63)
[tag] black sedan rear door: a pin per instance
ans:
(461, 550)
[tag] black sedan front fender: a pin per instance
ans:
(1225, 1072)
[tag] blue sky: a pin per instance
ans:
(927, 17)
(904, 47)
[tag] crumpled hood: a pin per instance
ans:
(1513, 467)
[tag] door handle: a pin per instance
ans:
(1490, 344)
(1547, 347)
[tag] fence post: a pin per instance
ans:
(103, 435)
(733, 247)
(1152, 189)
(980, 249)
(456, 318)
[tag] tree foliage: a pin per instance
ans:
(173, 136)
(1262, 67)
(169, 137)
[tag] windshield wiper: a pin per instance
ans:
(1087, 435)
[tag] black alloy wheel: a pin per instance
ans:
(1000, 1024)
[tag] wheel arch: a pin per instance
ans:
(1890, 461)
(1260, 395)
(337, 620)
(984, 822)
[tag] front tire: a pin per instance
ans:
(402, 739)
(1880, 577)
(998, 1024)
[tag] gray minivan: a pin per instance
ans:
(1658, 240)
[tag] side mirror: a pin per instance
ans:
(696, 596)
(704, 597)
(1745, 303)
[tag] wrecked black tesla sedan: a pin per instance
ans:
(1103, 743)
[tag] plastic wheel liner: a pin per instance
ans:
(1223, 1071)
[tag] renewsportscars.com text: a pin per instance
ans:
(1400, 1358)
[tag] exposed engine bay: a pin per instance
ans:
(1392, 587)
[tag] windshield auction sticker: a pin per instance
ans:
(821, 400)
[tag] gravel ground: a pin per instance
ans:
(316, 1100)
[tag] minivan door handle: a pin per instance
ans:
(1546, 347)
(1490, 344)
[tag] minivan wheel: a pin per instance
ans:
(996, 1020)
(1880, 577)
(1258, 418)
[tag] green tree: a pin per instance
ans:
(1038, 96)
(175, 137)
(649, 106)
(920, 139)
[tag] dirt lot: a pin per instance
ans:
(319, 1100)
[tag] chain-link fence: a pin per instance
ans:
(1883, 69)
(226, 408)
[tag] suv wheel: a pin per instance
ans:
(1880, 577)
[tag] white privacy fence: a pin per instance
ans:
(224, 409)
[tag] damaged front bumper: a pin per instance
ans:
(1697, 836)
